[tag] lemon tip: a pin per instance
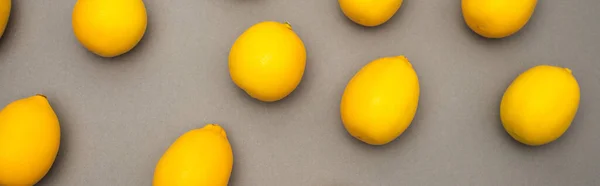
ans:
(569, 70)
(216, 128)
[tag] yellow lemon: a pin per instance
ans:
(109, 28)
(370, 12)
(497, 18)
(29, 141)
(199, 157)
(540, 104)
(4, 15)
(381, 100)
(267, 61)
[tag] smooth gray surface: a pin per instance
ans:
(119, 115)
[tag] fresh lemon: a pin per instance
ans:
(267, 61)
(497, 18)
(381, 100)
(109, 28)
(540, 104)
(199, 157)
(4, 15)
(29, 141)
(370, 12)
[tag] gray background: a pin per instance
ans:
(119, 115)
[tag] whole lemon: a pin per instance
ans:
(540, 104)
(29, 141)
(4, 15)
(497, 18)
(198, 157)
(109, 28)
(370, 12)
(267, 61)
(381, 100)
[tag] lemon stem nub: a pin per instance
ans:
(42, 95)
(287, 24)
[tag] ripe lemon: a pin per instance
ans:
(497, 18)
(267, 61)
(370, 12)
(109, 28)
(540, 104)
(29, 141)
(4, 15)
(199, 157)
(381, 100)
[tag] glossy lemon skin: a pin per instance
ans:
(109, 28)
(540, 104)
(29, 141)
(370, 12)
(497, 18)
(5, 6)
(199, 157)
(267, 61)
(381, 100)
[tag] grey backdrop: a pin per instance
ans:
(119, 115)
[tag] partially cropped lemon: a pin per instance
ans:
(497, 18)
(370, 12)
(29, 141)
(199, 157)
(267, 61)
(381, 100)
(109, 28)
(539, 106)
(4, 15)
